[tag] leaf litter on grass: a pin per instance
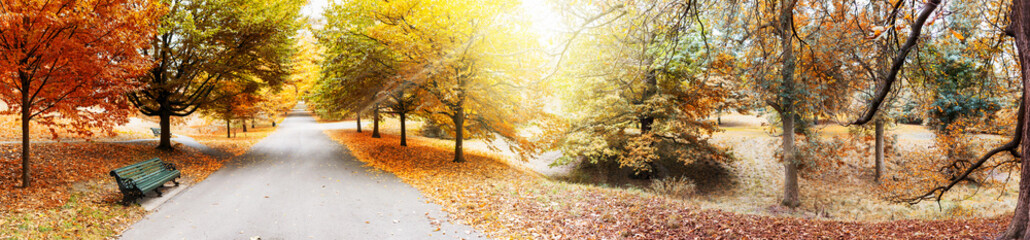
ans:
(73, 197)
(507, 203)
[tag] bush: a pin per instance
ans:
(674, 187)
(957, 94)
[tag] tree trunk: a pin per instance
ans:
(166, 131)
(252, 122)
(459, 135)
(273, 122)
(359, 121)
(879, 150)
(1020, 29)
(790, 165)
(646, 118)
(645, 124)
(375, 122)
(790, 182)
(164, 113)
(228, 126)
(1018, 224)
(243, 122)
(404, 132)
(25, 119)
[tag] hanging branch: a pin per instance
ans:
(899, 61)
(1012, 147)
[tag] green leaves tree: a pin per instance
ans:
(202, 43)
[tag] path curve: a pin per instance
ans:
(298, 184)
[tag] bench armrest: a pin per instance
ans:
(127, 183)
(169, 166)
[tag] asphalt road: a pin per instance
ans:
(298, 184)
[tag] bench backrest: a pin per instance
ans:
(139, 169)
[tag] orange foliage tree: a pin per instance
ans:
(459, 56)
(72, 60)
(232, 100)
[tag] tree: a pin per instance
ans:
(637, 89)
(1019, 28)
(355, 67)
(275, 103)
(457, 54)
(202, 43)
(403, 103)
(72, 60)
(771, 66)
(232, 100)
(797, 58)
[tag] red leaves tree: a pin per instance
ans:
(73, 60)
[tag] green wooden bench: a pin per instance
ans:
(136, 179)
(157, 131)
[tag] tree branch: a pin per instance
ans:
(899, 61)
(1011, 147)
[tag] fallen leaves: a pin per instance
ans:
(238, 145)
(56, 166)
(508, 203)
(72, 195)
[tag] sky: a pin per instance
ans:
(314, 8)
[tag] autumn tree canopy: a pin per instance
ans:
(637, 89)
(460, 57)
(72, 60)
(203, 43)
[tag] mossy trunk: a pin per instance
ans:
(787, 114)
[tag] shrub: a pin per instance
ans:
(679, 187)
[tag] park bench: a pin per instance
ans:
(136, 179)
(157, 131)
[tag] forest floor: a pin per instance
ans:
(72, 196)
(848, 192)
(506, 198)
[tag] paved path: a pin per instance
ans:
(298, 184)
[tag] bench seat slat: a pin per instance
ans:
(156, 179)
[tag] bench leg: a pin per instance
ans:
(126, 200)
(176, 181)
(131, 198)
(158, 191)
